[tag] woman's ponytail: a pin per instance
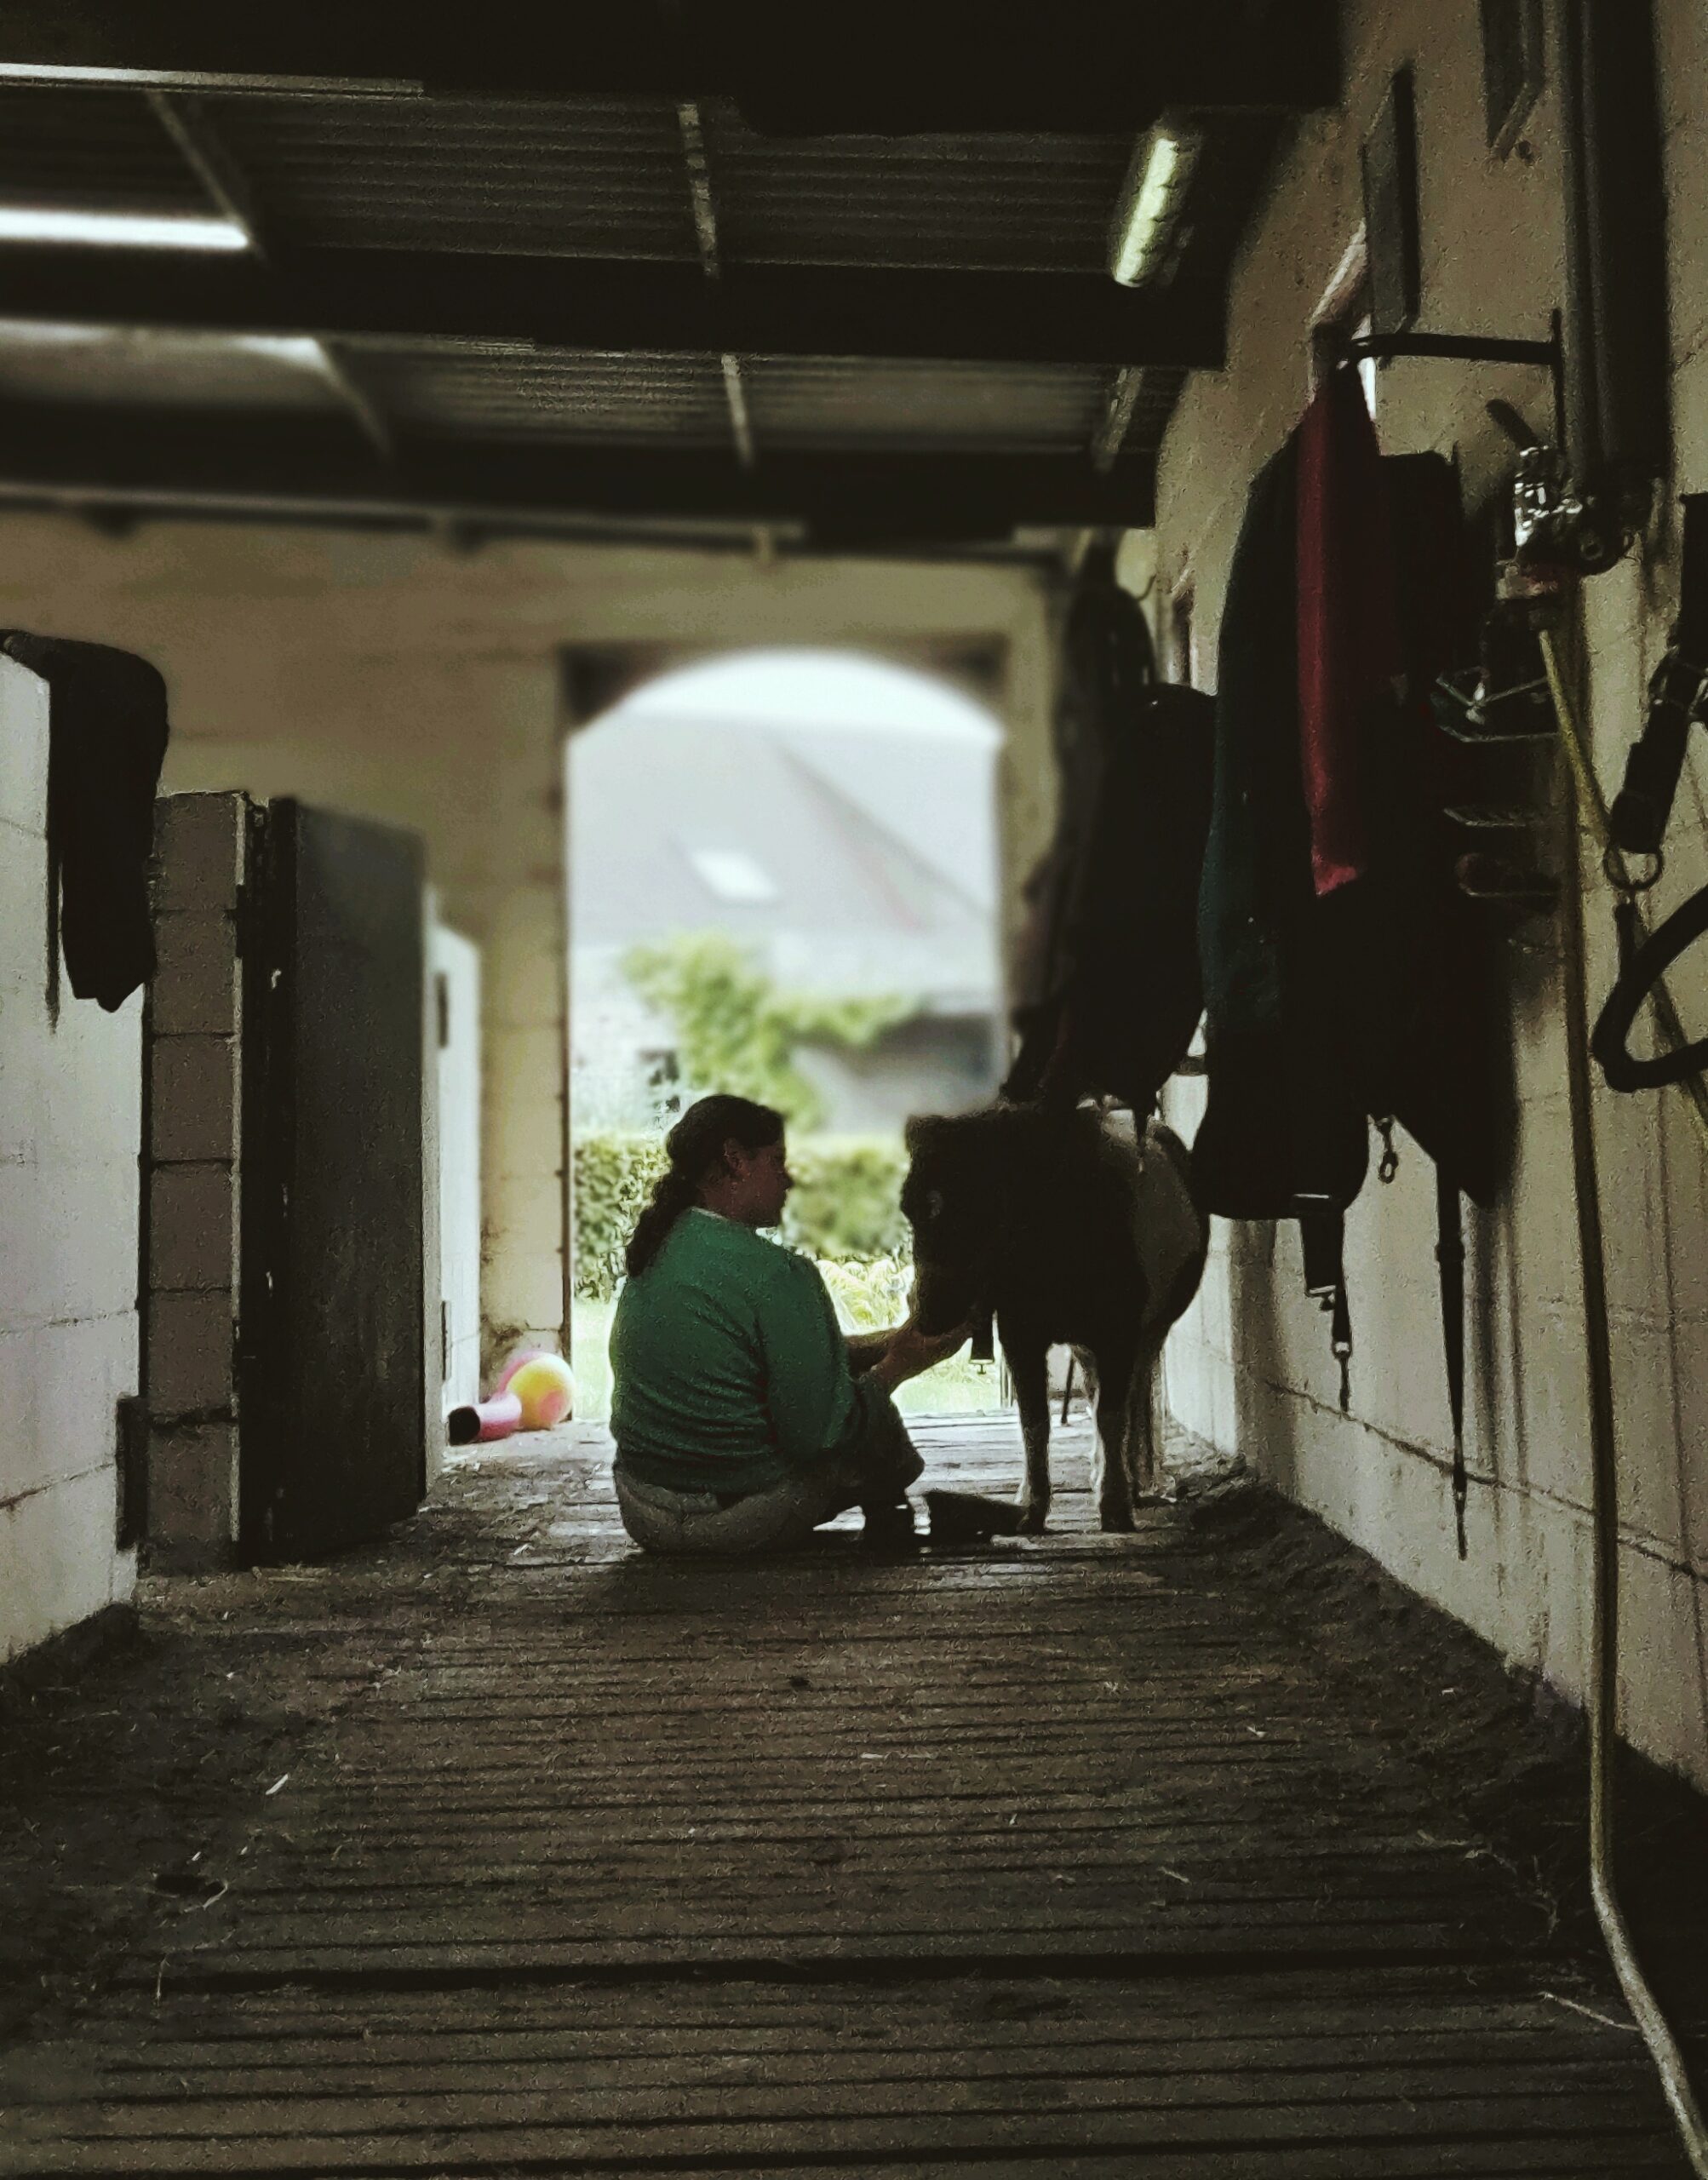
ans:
(672, 1194)
(695, 1145)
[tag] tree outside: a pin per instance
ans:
(736, 1031)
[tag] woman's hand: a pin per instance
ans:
(911, 1353)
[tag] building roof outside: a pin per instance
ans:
(851, 860)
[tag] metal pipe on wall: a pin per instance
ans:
(1618, 355)
(1603, 1703)
(1617, 408)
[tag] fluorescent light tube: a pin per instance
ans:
(119, 230)
(1149, 200)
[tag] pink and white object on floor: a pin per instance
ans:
(477, 1421)
(546, 1387)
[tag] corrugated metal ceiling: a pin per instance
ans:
(601, 178)
(90, 151)
(634, 399)
(792, 403)
(609, 178)
(915, 407)
(147, 370)
(1008, 203)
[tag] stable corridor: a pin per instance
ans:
(1056, 1858)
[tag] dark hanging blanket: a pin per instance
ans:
(1370, 996)
(1110, 989)
(107, 744)
(1132, 992)
(1107, 669)
(1284, 1127)
(1431, 1032)
(1259, 838)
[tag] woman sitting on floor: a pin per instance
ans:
(739, 1422)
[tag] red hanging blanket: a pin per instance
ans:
(1348, 635)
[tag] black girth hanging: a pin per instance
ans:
(1678, 700)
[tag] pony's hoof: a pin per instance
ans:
(1032, 1519)
(1117, 1521)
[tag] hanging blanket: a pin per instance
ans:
(107, 744)
(1350, 656)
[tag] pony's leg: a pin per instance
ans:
(1143, 1438)
(1113, 1480)
(1028, 1367)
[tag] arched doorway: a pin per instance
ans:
(784, 879)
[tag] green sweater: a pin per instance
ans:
(728, 1372)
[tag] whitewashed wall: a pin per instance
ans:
(457, 961)
(1250, 1367)
(70, 1126)
(397, 679)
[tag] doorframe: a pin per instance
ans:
(594, 677)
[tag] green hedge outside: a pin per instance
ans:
(846, 1203)
(613, 1178)
(845, 1207)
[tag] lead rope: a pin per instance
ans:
(1450, 1267)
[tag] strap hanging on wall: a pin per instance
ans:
(1678, 696)
(1642, 965)
(1637, 824)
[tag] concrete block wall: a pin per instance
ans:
(195, 1195)
(1250, 1367)
(70, 1131)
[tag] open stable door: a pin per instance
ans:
(331, 1360)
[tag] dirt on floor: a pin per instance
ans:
(1503, 1750)
(125, 1762)
(135, 1761)
(135, 1754)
